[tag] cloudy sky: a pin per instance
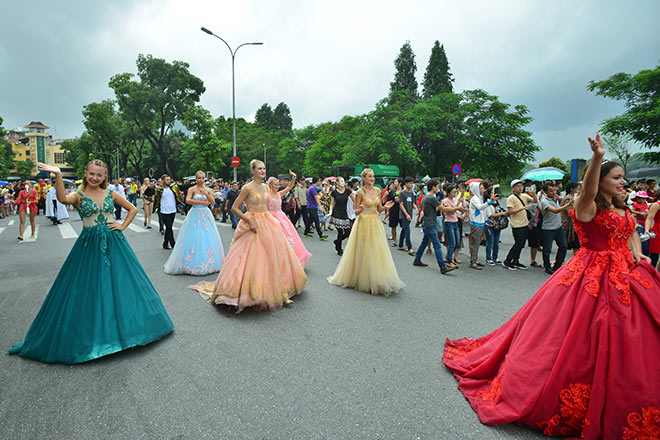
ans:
(328, 59)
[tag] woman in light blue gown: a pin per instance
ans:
(102, 301)
(198, 249)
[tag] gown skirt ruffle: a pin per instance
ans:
(198, 249)
(367, 263)
(260, 270)
(292, 237)
(101, 302)
(582, 357)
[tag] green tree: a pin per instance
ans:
(161, 95)
(24, 168)
(81, 150)
(494, 142)
(554, 162)
(620, 146)
(281, 118)
(641, 120)
(263, 117)
(404, 74)
(6, 153)
(203, 150)
(437, 78)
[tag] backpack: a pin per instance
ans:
(501, 222)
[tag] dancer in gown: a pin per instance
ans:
(102, 301)
(581, 358)
(275, 207)
(261, 269)
(198, 248)
(367, 263)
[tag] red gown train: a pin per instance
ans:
(582, 357)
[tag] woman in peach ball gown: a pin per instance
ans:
(261, 269)
(275, 207)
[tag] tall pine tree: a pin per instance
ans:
(263, 117)
(404, 76)
(437, 78)
(281, 118)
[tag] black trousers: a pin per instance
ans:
(117, 212)
(302, 211)
(160, 221)
(342, 234)
(313, 215)
(168, 221)
(519, 239)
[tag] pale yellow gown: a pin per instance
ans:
(261, 269)
(367, 263)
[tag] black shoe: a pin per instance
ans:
(549, 271)
(165, 246)
(419, 263)
(480, 265)
(340, 252)
(509, 265)
(520, 266)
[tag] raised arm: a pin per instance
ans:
(290, 186)
(67, 199)
(585, 205)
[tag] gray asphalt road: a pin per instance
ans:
(338, 364)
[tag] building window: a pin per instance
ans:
(27, 152)
(60, 157)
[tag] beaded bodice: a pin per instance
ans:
(275, 202)
(93, 214)
(257, 198)
(370, 203)
(201, 198)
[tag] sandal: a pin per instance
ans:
(411, 252)
(534, 264)
(401, 249)
(457, 261)
(428, 251)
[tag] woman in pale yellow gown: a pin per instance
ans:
(367, 263)
(261, 269)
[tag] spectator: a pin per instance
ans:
(232, 195)
(572, 241)
(518, 205)
(407, 208)
(313, 207)
(551, 229)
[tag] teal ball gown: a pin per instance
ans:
(101, 302)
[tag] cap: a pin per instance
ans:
(515, 182)
(642, 194)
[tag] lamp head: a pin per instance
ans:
(207, 31)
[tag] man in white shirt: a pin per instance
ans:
(165, 200)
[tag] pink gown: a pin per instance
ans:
(275, 207)
(260, 270)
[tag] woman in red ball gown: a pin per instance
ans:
(582, 357)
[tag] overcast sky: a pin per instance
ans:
(328, 59)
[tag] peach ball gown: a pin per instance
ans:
(367, 263)
(261, 269)
(292, 237)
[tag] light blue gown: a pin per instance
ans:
(101, 302)
(198, 249)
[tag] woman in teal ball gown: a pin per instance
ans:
(102, 301)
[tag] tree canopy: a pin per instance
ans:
(641, 120)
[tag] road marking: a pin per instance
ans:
(11, 222)
(66, 231)
(2, 229)
(36, 234)
(134, 228)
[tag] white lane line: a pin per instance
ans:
(11, 223)
(27, 231)
(2, 229)
(134, 228)
(66, 231)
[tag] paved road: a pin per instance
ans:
(338, 364)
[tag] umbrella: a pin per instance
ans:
(78, 182)
(69, 182)
(4, 182)
(329, 179)
(545, 173)
(473, 181)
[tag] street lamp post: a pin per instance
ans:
(233, 87)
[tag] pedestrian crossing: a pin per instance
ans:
(70, 229)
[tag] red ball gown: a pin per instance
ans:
(582, 357)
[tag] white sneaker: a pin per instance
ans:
(490, 262)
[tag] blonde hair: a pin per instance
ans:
(255, 162)
(200, 172)
(366, 171)
(98, 163)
